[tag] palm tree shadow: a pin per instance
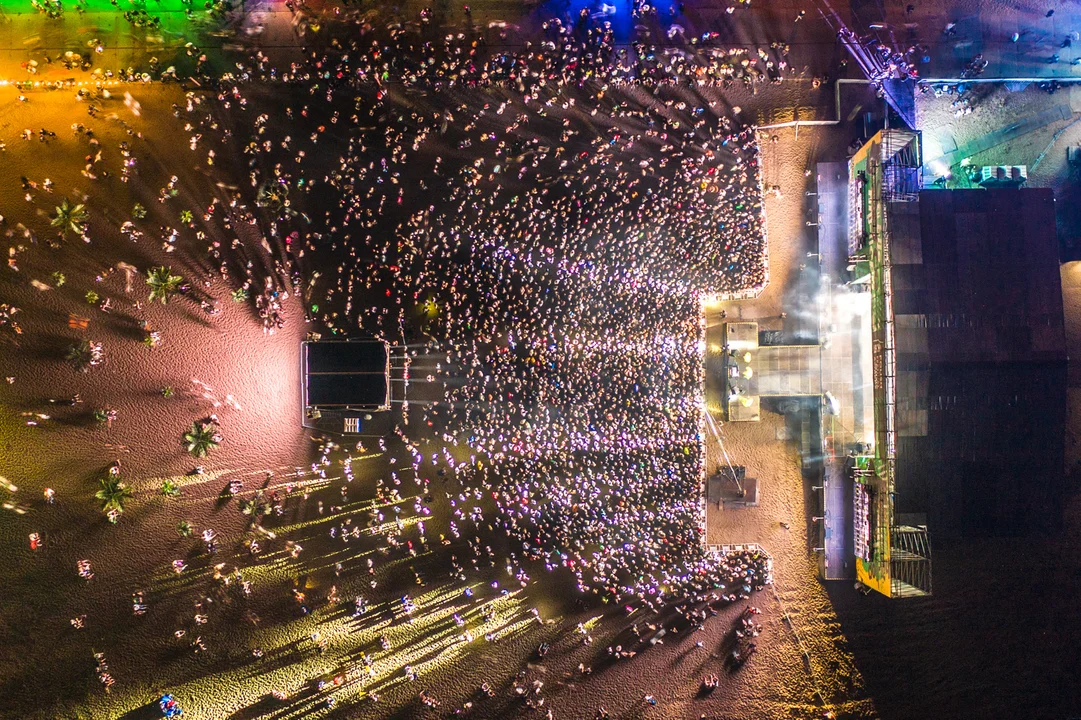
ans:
(79, 419)
(260, 707)
(150, 711)
(126, 326)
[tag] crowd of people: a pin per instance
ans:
(537, 229)
(538, 234)
(558, 230)
(563, 49)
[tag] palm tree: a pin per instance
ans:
(112, 494)
(202, 438)
(79, 353)
(256, 507)
(70, 218)
(85, 353)
(169, 488)
(162, 283)
(184, 528)
(275, 197)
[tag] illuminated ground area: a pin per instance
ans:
(162, 7)
(148, 37)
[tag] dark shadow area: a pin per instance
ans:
(1068, 211)
(962, 652)
(150, 711)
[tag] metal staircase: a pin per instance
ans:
(910, 561)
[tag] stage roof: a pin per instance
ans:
(978, 278)
(352, 373)
(981, 361)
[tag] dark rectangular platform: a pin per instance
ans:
(722, 490)
(352, 374)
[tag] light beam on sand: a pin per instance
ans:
(431, 643)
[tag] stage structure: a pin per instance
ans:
(884, 178)
(753, 370)
(346, 385)
(968, 346)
